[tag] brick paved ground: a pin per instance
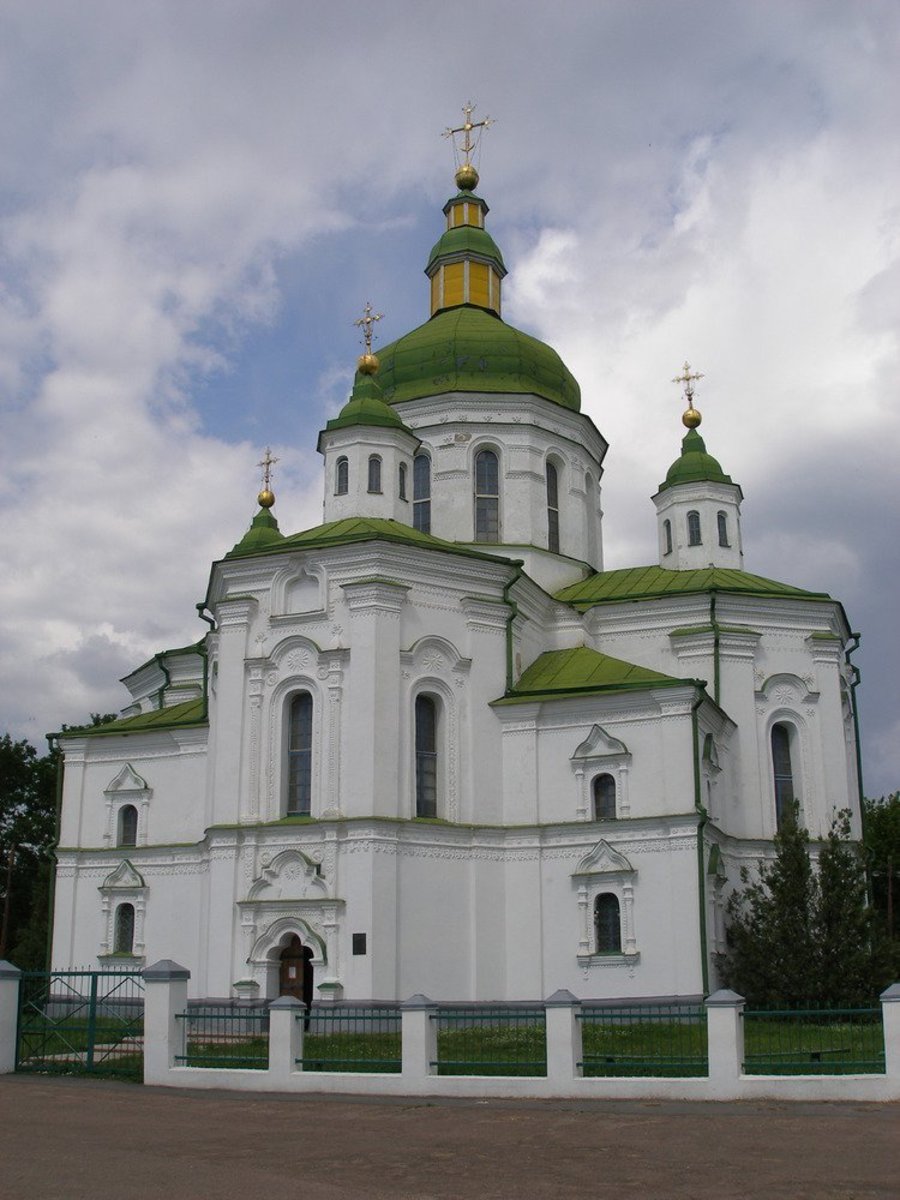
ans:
(72, 1138)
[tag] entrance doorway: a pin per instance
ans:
(295, 974)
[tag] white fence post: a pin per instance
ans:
(725, 1041)
(165, 995)
(285, 1036)
(890, 1013)
(10, 981)
(563, 1023)
(418, 1036)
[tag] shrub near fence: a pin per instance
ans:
(667, 1040)
(351, 1038)
(491, 1040)
(812, 1041)
(224, 1037)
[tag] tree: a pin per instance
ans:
(799, 935)
(27, 835)
(882, 851)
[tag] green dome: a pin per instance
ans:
(366, 406)
(468, 349)
(463, 242)
(263, 532)
(694, 465)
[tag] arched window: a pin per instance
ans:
(401, 476)
(607, 924)
(299, 755)
(487, 496)
(604, 793)
(552, 509)
(722, 522)
(374, 473)
(128, 820)
(341, 477)
(693, 526)
(422, 493)
(123, 942)
(782, 773)
(426, 757)
(667, 534)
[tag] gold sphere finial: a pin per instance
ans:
(467, 178)
(266, 498)
(368, 363)
(691, 417)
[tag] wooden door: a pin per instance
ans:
(296, 971)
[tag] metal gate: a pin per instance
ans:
(81, 1021)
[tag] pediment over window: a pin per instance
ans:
(127, 780)
(600, 744)
(289, 876)
(435, 655)
(602, 859)
(788, 689)
(123, 877)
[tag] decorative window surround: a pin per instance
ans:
(124, 885)
(604, 869)
(126, 788)
(601, 753)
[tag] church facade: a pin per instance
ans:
(431, 745)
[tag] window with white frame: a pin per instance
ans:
(374, 473)
(123, 940)
(693, 528)
(422, 493)
(127, 826)
(487, 496)
(552, 508)
(607, 924)
(783, 773)
(426, 740)
(299, 755)
(341, 476)
(603, 794)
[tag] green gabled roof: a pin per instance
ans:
(366, 529)
(641, 583)
(191, 712)
(467, 349)
(559, 673)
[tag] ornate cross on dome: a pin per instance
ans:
(468, 145)
(688, 379)
(365, 322)
(267, 463)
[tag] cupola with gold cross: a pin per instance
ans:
(698, 506)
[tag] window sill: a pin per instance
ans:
(610, 960)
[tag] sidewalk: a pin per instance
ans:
(64, 1139)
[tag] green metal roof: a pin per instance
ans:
(558, 673)
(640, 583)
(191, 712)
(462, 242)
(262, 534)
(467, 349)
(694, 465)
(366, 407)
(365, 529)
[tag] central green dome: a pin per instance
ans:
(469, 349)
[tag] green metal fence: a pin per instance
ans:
(813, 1041)
(81, 1021)
(666, 1040)
(488, 1039)
(224, 1037)
(363, 1038)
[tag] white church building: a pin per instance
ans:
(431, 745)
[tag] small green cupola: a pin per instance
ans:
(698, 506)
(465, 265)
(263, 531)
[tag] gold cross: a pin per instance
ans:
(466, 130)
(267, 463)
(687, 378)
(366, 321)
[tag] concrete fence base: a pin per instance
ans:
(166, 997)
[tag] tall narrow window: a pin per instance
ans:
(604, 790)
(299, 756)
(128, 819)
(693, 526)
(607, 924)
(552, 509)
(422, 493)
(401, 475)
(783, 774)
(426, 757)
(123, 942)
(722, 522)
(374, 473)
(667, 535)
(487, 497)
(341, 477)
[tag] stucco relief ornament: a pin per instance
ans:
(784, 695)
(337, 632)
(298, 659)
(272, 678)
(322, 673)
(433, 661)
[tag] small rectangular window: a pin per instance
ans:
(359, 943)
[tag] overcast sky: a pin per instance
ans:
(197, 197)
